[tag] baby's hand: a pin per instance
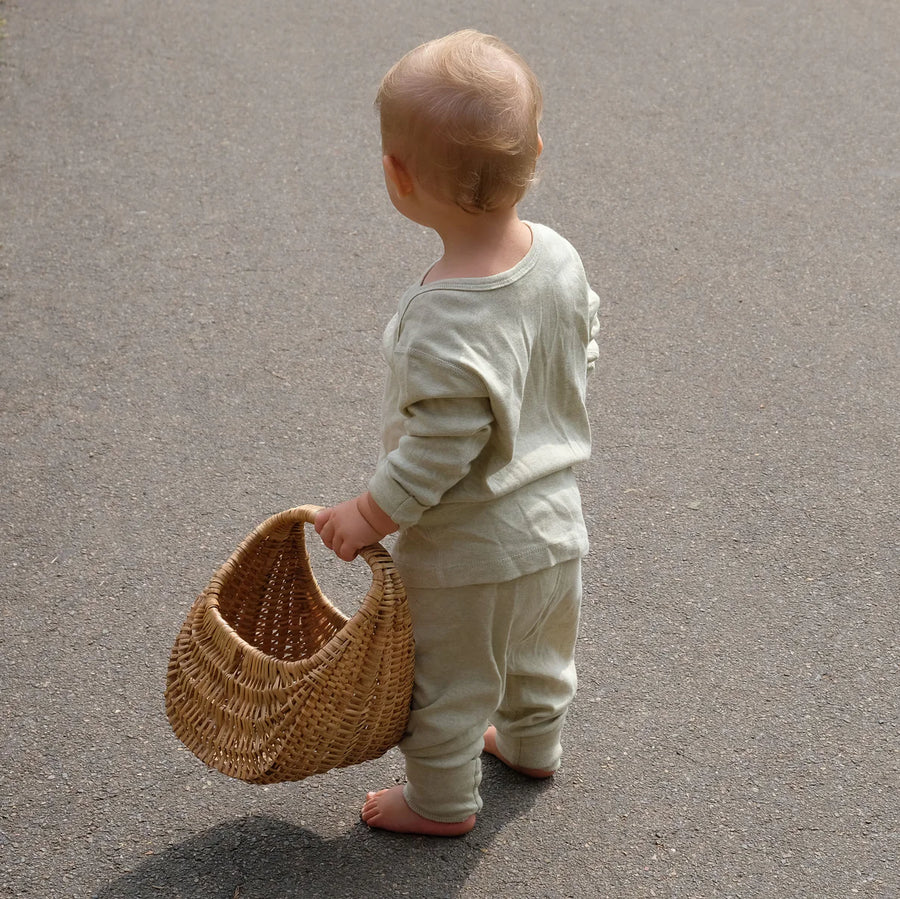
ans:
(344, 530)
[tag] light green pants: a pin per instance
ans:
(489, 653)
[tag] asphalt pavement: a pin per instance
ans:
(197, 258)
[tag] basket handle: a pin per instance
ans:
(374, 555)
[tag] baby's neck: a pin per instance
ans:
(481, 245)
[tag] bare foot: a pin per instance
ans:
(490, 746)
(387, 809)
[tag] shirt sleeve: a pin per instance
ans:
(593, 350)
(447, 422)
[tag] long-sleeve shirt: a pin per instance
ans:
(485, 417)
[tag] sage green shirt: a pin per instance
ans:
(485, 417)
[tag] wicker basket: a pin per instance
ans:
(269, 682)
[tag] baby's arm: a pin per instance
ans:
(348, 527)
(443, 438)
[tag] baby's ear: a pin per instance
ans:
(397, 174)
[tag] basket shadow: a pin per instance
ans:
(262, 857)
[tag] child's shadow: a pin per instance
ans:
(259, 857)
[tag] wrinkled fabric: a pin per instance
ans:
(485, 417)
(488, 653)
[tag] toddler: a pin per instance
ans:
(484, 419)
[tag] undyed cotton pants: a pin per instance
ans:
(499, 653)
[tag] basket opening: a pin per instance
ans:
(272, 598)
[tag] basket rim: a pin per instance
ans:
(375, 555)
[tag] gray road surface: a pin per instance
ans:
(197, 260)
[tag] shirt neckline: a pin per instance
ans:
(489, 282)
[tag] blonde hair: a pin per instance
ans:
(462, 113)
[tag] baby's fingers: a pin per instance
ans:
(322, 518)
(345, 554)
(325, 529)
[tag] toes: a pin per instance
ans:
(371, 807)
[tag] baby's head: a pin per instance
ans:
(461, 113)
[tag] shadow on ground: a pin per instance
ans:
(261, 857)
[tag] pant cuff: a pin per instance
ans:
(447, 796)
(540, 751)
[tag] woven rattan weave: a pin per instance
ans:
(269, 682)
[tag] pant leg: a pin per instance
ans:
(465, 640)
(541, 679)
(459, 677)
